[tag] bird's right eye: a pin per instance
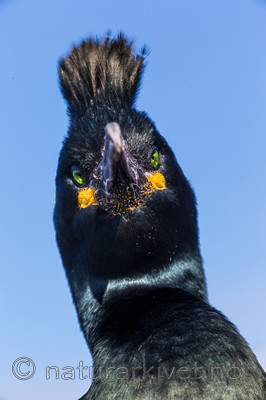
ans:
(78, 177)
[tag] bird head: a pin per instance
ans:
(123, 205)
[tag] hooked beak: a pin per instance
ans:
(118, 182)
(117, 168)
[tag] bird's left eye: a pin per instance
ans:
(155, 159)
(78, 176)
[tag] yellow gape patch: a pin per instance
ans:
(156, 180)
(86, 197)
(122, 200)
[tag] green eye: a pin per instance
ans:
(78, 177)
(155, 159)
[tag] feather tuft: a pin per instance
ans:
(101, 70)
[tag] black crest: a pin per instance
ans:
(101, 70)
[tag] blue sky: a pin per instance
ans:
(205, 87)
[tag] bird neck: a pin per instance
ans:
(92, 296)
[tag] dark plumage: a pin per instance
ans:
(126, 225)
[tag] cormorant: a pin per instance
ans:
(126, 227)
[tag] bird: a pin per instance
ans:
(126, 225)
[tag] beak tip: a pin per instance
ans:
(113, 131)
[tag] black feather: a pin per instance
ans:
(101, 70)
